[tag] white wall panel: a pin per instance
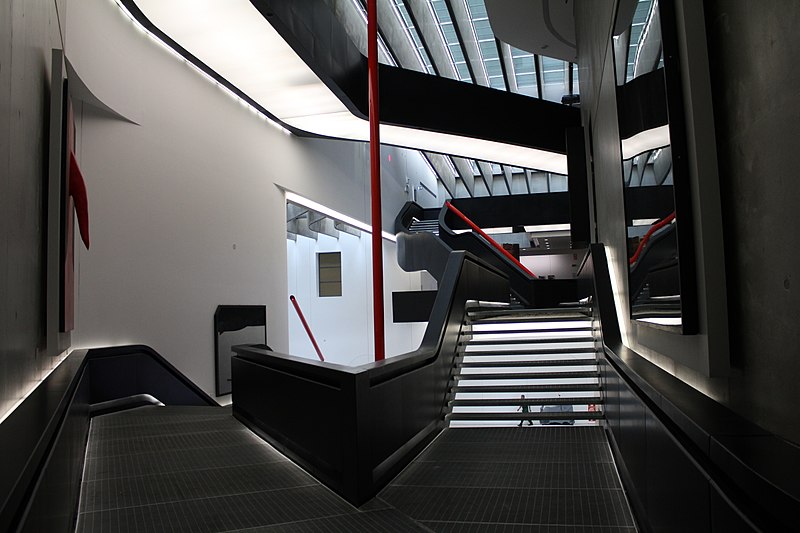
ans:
(186, 208)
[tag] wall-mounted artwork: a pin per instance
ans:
(66, 197)
(67, 219)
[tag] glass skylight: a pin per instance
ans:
(555, 79)
(450, 38)
(405, 18)
(640, 17)
(487, 44)
(384, 55)
(524, 68)
(476, 171)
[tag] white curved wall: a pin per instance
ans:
(186, 212)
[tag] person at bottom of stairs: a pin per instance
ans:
(525, 410)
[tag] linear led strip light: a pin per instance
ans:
(235, 40)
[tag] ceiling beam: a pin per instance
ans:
(464, 170)
(396, 38)
(487, 175)
(502, 63)
(462, 22)
(460, 37)
(422, 37)
(444, 173)
(428, 29)
(507, 177)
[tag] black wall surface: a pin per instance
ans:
(513, 210)
(687, 462)
(355, 428)
(580, 224)
(410, 98)
(29, 29)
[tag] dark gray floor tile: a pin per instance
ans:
(512, 506)
(252, 451)
(383, 521)
(175, 427)
(530, 435)
(198, 469)
(518, 452)
(463, 527)
(220, 514)
(159, 415)
(511, 475)
(166, 442)
(190, 485)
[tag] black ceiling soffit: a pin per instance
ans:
(642, 104)
(409, 99)
(413, 99)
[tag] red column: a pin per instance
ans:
(375, 175)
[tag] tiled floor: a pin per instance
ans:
(514, 479)
(198, 469)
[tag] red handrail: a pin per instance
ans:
(491, 241)
(654, 228)
(305, 325)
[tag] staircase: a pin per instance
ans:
(424, 226)
(547, 355)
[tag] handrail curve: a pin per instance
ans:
(491, 241)
(654, 228)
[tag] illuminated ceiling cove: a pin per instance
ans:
(237, 42)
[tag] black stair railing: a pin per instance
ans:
(377, 417)
(531, 291)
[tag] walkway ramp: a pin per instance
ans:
(199, 469)
(513, 480)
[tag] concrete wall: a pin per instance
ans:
(752, 52)
(687, 356)
(29, 29)
(187, 206)
(748, 74)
